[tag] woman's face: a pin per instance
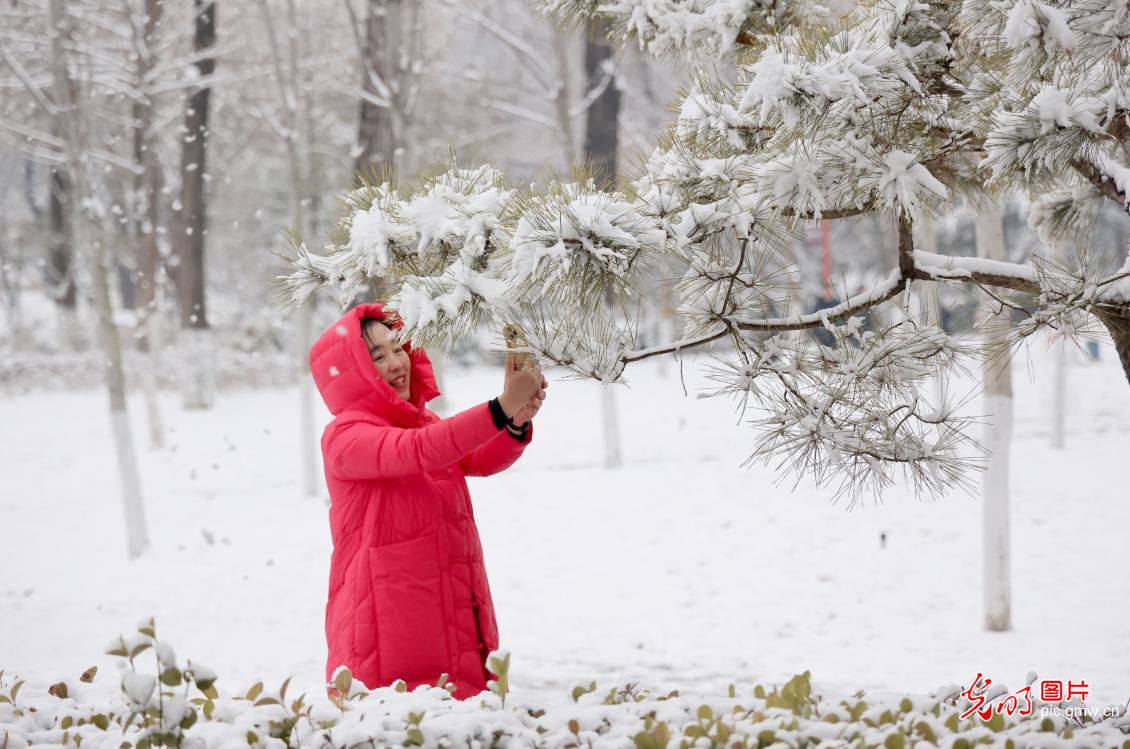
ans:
(389, 357)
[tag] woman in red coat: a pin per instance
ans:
(408, 593)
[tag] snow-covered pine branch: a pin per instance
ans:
(895, 107)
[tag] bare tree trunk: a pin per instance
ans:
(601, 147)
(997, 375)
(197, 387)
(60, 260)
(9, 287)
(376, 136)
(67, 99)
(562, 97)
(287, 79)
(147, 186)
(602, 127)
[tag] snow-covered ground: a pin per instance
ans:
(678, 569)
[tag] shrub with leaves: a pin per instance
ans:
(168, 705)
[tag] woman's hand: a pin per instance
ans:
(529, 410)
(522, 392)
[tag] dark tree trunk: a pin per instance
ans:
(60, 261)
(192, 225)
(1117, 321)
(147, 185)
(376, 138)
(604, 112)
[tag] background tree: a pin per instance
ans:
(190, 230)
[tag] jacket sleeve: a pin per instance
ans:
(496, 455)
(363, 450)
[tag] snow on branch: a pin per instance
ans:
(852, 413)
(691, 28)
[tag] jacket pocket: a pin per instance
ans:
(408, 609)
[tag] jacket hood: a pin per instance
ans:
(347, 379)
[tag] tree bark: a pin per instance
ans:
(997, 375)
(60, 279)
(377, 138)
(601, 131)
(1117, 322)
(190, 236)
(197, 385)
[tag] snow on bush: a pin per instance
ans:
(182, 707)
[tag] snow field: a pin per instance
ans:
(678, 570)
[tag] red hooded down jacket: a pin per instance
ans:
(408, 593)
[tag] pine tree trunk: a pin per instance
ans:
(190, 235)
(1117, 322)
(66, 97)
(997, 376)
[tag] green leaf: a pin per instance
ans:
(759, 692)
(705, 713)
(415, 736)
(252, 739)
(906, 705)
(282, 689)
(267, 701)
(58, 689)
(209, 708)
(66, 722)
(895, 741)
(189, 720)
(574, 726)
(101, 721)
(139, 649)
(996, 723)
(732, 691)
(170, 677)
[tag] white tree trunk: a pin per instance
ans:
(150, 365)
(926, 239)
(997, 374)
(198, 379)
(311, 476)
(1059, 384)
(439, 368)
(611, 426)
(66, 96)
(1059, 397)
